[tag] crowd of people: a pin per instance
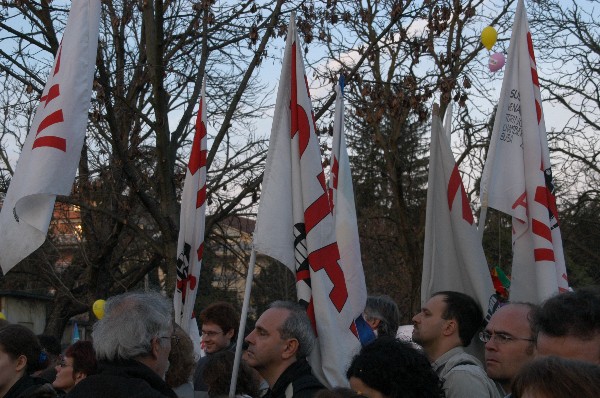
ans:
(550, 350)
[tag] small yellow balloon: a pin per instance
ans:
(489, 37)
(2, 316)
(98, 308)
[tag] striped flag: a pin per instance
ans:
(190, 245)
(51, 152)
(517, 177)
(295, 224)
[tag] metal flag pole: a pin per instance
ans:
(242, 327)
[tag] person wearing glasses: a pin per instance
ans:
(78, 362)
(509, 343)
(219, 327)
(448, 322)
(132, 342)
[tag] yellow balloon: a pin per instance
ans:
(489, 37)
(2, 316)
(98, 308)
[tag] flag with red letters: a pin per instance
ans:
(52, 149)
(295, 224)
(517, 177)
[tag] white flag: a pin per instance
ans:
(453, 256)
(51, 152)
(517, 178)
(295, 225)
(190, 245)
(341, 195)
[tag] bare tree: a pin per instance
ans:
(429, 53)
(152, 58)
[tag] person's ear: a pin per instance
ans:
(155, 349)
(290, 349)
(79, 376)
(21, 363)
(450, 327)
(229, 334)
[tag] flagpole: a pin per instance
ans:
(482, 217)
(242, 327)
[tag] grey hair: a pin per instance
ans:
(296, 326)
(130, 322)
(385, 309)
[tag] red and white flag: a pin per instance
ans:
(190, 245)
(341, 195)
(453, 256)
(517, 177)
(51, 152)
(295, 225)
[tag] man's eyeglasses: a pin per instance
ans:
(174, 339)
(211, 333)
(500, 338)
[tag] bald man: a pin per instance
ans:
(509, 343)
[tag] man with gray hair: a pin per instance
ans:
(278, 347)
(132, 343)
(383, 315)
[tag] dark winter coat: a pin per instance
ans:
(122, 379)
(30, 386)
(296, 381)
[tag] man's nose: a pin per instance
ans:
(249, 339)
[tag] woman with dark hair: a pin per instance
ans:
(78, 362)
(20, 356)
(390, 368)
(217, 375)
(181, 364)
(554, 377)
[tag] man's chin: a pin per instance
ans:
(249, 360)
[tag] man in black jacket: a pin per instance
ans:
(278, 346)
(132, 344)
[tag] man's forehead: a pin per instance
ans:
(511, 314)
(207, 326)
(272, 318)
(436, 303)
(570, 347)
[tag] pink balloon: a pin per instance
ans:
(496, 62)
